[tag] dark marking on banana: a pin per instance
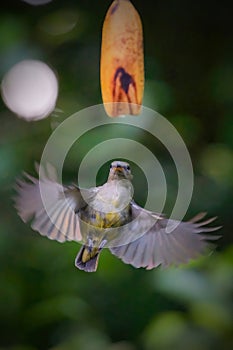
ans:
(124, 85)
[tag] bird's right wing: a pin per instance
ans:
(51, 206)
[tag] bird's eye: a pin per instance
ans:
(128, 167)
(110, 166)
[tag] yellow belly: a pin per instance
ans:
(94, 225)
(107, 220)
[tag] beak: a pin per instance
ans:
(118, 168)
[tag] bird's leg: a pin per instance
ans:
(102, 244)
(90, 245)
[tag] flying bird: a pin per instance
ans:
(108, 217)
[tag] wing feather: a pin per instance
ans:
(50, 206)
(157, 246)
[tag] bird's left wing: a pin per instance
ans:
(158, 246)
(51, 206)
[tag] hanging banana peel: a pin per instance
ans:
(122, 60)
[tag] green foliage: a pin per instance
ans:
(45, 303)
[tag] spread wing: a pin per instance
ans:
(158, 246)
(50, 205)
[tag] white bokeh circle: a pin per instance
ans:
(37, 2)
(30, 89)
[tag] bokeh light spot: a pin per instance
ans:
(30, 89)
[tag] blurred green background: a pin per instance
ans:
(45, 303)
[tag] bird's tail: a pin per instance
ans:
(87, 259)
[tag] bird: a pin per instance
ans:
(107, 216)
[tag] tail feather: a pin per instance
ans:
(89, 265)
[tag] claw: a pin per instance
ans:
(89, 244)
(102, 244)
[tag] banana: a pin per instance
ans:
(122, 60)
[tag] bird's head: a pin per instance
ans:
(119, 170)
